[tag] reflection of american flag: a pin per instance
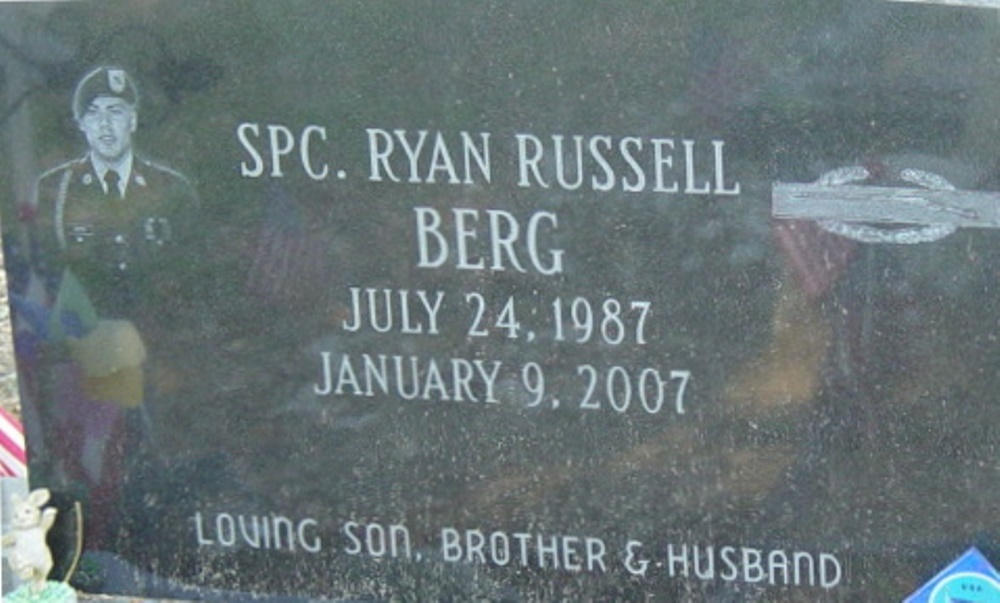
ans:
(12, 457)
(815, 258)
(287, 255)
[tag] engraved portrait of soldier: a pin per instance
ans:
(111, 214)
(111, 242)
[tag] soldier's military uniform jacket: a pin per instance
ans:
(129, 252)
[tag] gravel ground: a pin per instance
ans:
(8, 376)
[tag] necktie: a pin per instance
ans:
(111, 179)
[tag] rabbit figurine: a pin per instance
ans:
(28, 553)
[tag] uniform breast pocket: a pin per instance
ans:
(156, 231)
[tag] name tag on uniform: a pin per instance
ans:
(80, 232)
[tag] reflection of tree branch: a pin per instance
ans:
(20, 55)
(50, 71)
(174, 74)
(104, 42)
(14, 106)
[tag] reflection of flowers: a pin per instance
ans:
(109, 352)
(73, 314)
(26, 212)
(111, 356)
(86, 400)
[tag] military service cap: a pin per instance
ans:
(104, 81)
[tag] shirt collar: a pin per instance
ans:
(124, 171)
